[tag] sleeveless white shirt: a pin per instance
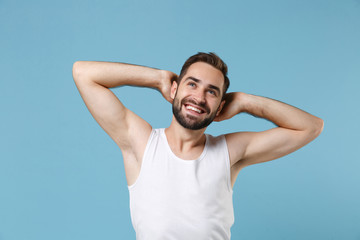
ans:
(176, 199)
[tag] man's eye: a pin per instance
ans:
(192, 84)
(212, 92)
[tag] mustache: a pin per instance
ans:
(193, 102)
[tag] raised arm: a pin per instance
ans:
(93, 80)
(296, 128)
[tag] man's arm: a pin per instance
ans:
(296, 128)
(93, 80)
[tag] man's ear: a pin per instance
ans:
(173, 89)
(220, 107)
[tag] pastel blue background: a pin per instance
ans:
(62, 177)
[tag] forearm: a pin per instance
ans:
(112, 74)
(281, 114)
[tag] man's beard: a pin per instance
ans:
(191, 122)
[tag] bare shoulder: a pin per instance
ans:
(237, 143)
(138, 133)
(133, 152)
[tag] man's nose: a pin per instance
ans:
(200, 96)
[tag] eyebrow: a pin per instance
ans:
(198, 80)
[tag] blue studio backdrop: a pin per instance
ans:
(62, 177)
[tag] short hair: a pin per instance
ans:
(210, 58)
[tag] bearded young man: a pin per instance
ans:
(180, 179)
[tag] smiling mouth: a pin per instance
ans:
(193, 108)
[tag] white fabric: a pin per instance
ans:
(176, 199)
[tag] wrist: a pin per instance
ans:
(164, 83)
(163, 79)
(242, 100)
(252, 104)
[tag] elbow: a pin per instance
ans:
(318, 127)
(313, 130)
(77, 70)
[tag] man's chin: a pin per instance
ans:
(190, 121)
(193, 124)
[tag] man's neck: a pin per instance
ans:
(182, 139)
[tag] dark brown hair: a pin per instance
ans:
(210, 58)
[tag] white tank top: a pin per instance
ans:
(176, 199)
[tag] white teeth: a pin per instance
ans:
(194, 109)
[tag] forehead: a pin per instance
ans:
(206, 73)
